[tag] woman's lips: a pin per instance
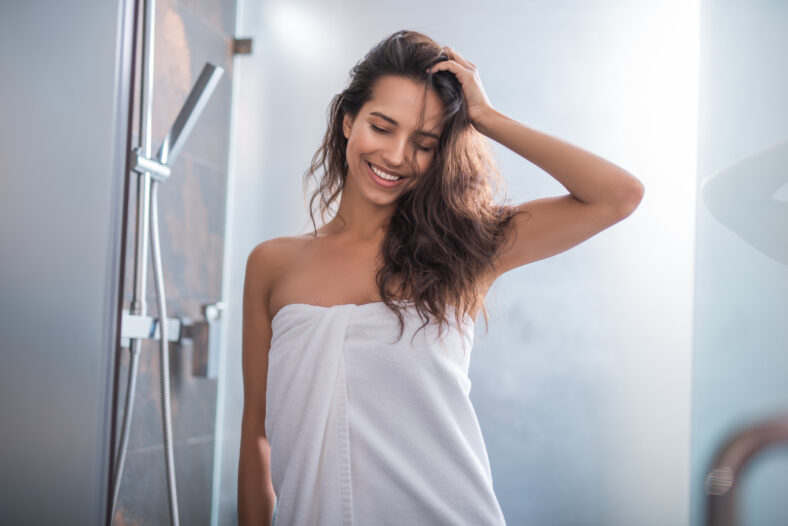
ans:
(383, 182)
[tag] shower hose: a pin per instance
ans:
(164, 362)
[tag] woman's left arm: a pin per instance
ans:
(600, 193)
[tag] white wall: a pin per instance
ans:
(582, 383)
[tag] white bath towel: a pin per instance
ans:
(364, 431)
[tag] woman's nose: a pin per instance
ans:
(394, 155)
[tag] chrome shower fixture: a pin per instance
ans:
(190, 112)
(159, 167)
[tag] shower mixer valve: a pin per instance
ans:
(204, 336)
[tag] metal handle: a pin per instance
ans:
(735, 454)
(205, 337)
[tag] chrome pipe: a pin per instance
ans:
(138, 302)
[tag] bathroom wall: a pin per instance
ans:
(741, 294)
(63, 122)
(192, 208)
(581, 384)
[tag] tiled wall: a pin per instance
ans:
(192, 219)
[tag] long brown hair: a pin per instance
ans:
(440, 244)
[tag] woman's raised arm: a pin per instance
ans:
(600, 193)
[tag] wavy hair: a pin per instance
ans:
(440, 243)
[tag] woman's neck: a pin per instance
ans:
(359, 220)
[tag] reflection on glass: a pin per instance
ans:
(745, 198)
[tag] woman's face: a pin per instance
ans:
(385, 136)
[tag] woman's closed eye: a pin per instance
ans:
(419, 146)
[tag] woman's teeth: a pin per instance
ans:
(384, 175)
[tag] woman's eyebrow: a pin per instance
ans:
(395, 123)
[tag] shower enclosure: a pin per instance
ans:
(164, 423)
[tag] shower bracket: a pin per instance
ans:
(160, 172)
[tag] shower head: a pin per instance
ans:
(190, 112)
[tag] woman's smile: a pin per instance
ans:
(383, 178)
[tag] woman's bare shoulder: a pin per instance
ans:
(270, 260)
(275, 253)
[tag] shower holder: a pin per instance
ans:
(142, 164)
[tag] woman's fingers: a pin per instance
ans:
(468, 75)
(475, 97)
(455, 67)
(458, 58)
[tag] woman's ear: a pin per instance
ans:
(347, 124)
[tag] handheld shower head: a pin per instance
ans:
(190, 112)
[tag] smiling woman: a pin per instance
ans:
(350, 422)
(380, 146)
(396, 119)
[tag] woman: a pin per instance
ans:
(345, 421)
